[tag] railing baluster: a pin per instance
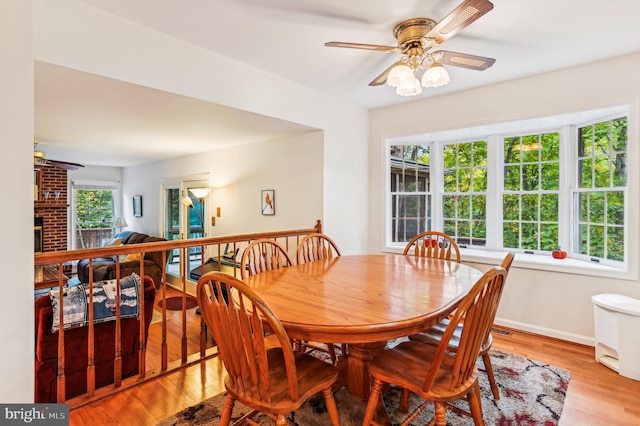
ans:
(117, 362)
(91, 359)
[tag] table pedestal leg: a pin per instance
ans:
(358, 380)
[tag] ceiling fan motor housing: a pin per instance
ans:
(409, 33)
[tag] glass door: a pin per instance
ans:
(184, 213)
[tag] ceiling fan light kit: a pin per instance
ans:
(416, 37)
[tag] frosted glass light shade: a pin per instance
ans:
(200, 193)
(435, 76)
(399, 74)
(187, 201)
(411, 88)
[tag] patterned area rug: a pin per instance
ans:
(532, 394)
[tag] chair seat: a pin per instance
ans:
(314, 375)
(433, 335)
(392, 365)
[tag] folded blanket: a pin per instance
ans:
(76, 301)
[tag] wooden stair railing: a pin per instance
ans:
(288, 238)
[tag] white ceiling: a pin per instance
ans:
(287, 37)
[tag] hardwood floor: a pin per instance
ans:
(596, 395)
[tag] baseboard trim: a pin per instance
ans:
(549, 332)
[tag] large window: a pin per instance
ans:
(94, 218)
(530, 186)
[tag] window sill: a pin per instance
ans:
(540, 263)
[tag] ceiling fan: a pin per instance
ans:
(416, 39)
(39, 159)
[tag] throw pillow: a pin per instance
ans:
(76, 301)
(133, 257)
(113, 243)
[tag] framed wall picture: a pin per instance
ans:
(268, 202)
(137, 205)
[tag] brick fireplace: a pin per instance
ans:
(52, 213)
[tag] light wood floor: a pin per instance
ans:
(596, 395)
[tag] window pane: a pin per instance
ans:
(511, 235)
(512, 178)
(615, 243)
(530, 236)
(615, 208)
(550, 176)
(596, 207)
(549, 208)
(530, 207)
(549, 236)
(511, 207)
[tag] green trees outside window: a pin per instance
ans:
(560, 187)
(531, 189)
(599, 203)
(464, 197)
(94, 216)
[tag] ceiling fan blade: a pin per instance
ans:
(64, 164)
(382, 78)
(361, 46)
(463, 15)
(463, 60)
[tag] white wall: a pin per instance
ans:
(16, 134)
(72, 34)
(292, 166)
(555, 304)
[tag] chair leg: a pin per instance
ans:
(332, 408)
(441, 414)
(476, 406)
(332, 353)
(405, 399)
(486, 359)
(281, 420)
(225, 417)
(373, 402)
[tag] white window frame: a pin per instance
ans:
(567, 125)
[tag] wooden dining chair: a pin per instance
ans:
(316, 247)
(433, 244)
(273, 380)
(434, 373)
(263, 255)
(433, 336)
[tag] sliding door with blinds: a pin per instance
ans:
(93, 213)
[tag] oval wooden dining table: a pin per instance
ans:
(364, 301)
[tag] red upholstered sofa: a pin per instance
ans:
(46, 356)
